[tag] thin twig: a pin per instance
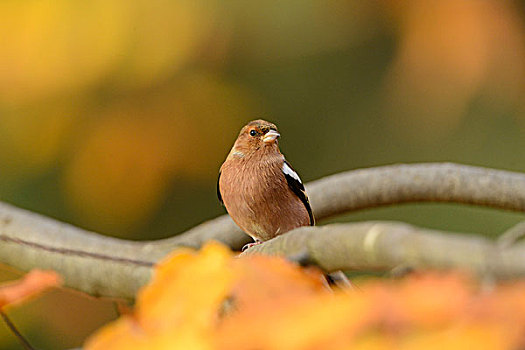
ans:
(15, 331)
(512, 235)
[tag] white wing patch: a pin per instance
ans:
(290, 172)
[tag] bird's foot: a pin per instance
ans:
(249, 245)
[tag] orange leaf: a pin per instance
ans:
(179, 307)
(212, 300)
(31, 284)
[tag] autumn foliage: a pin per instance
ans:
(213, 300)
(33, 283)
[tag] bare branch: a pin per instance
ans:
(107, 266)
(387, 185)
(386, 245)
(408, 183)
(89, 262)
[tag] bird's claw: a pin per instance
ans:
(249, 245)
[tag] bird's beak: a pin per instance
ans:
(271, 136)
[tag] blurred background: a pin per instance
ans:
(115, 115)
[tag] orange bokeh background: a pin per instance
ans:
(116, 115)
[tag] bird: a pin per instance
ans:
(263, 194)
(261, 191)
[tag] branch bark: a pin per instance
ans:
(113, 267)
(386, 185)
(387, 245)
(89, 262)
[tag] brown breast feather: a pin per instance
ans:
(258, 198)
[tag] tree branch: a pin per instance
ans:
(108, 266)
(89, 262)
(386, 245)
(387, 185)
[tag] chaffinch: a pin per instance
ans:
(259, 188)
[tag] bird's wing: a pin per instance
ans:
(296, 185)
(219, 189)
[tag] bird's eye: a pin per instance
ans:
(253, 133)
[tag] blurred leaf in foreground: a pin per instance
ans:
(28, 286)
(212, 300)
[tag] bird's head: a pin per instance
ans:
(256, 135)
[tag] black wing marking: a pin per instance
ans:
(219, 190)
(295, 184)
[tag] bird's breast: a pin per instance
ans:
(258, 199)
